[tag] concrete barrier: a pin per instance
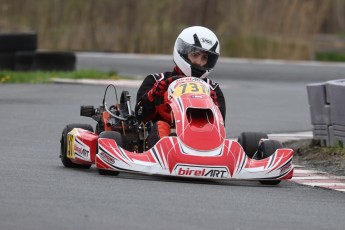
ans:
(327, 111)
(336, 95)
(320, 110)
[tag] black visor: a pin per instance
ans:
(184, 49)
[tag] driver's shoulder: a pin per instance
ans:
(213, 84)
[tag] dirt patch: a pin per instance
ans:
(310, 154)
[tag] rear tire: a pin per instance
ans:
(266, 149)
(269, 182)
(63, 149)
(117, 137)
(108, 172)
(250, 142)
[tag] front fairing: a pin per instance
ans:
(198, 121)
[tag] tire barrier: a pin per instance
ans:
(24, 60)
(18, 42)
(51, 61)
(18, 52)
(7, 60)
(11, 44)
(327, 111)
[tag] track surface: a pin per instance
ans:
(37, 192)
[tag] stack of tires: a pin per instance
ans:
(18, 51)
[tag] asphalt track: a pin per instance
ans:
(261, 95)
(37, 192)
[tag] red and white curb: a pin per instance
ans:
(318, 179)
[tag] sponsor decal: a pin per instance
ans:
(70, 145)
(206, 40)
(81, 151)
(201, 171)
(106, 158)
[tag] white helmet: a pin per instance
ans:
(196, 38)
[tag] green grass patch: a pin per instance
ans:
(330, 56)
(46, 76)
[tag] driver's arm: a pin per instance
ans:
(221, 102)
(144, 109)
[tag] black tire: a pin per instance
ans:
(153, 136)
(250, 142)
(108, 172)
(54, 61)
(117, 137)
(63, 150)
(24, 60)
(269, 182)
(266, 149)
(7, 60)
(18, 41)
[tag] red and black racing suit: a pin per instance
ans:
(147, 111)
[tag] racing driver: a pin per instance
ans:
(195, 54)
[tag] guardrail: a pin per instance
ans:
(327, 111)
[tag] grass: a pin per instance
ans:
(7, 76)
(330, 56)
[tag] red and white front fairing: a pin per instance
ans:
(82, 146)
(199, 148)
(171, 157)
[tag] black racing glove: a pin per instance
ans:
(159, 88)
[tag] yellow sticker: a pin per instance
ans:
(70, 146)
(190, 87)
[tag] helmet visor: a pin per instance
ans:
(184, 49)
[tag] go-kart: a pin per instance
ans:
(196, 147)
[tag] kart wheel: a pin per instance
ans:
(108, 172)
(266, 149)
(63, 150)
(116, 136)
(250, 142)
(269, 182)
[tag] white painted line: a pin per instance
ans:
(310, 178)
(308, 171)
(322, 184)
(341, 190)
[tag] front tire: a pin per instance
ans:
(266, 149)
(117, 137)
(63, 147)
(250, 142)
